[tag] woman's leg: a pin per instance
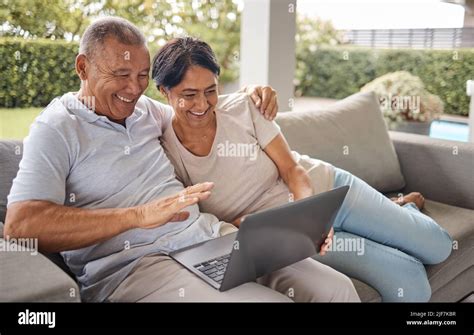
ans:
(368, 213)
(397, 276)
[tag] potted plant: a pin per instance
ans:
(405, 103)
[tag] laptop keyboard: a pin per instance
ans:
(214, 268)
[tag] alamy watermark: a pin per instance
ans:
(19, 244)
(37, 318)
(400, 102)
(229, 149)
(346, 244)
(75, 104)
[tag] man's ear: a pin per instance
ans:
(81, 66)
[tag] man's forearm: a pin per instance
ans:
(60, 228)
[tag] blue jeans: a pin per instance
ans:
(383, 244)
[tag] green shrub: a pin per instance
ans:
(35, 71)
(337, 72)
(333, 73)
(403, 96)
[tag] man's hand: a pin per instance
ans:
(327, 243)
(265, 98)
(169, 209)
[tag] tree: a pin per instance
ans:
(311, 34)
(59, 19)
(216, 22)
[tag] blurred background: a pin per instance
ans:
(313, 52)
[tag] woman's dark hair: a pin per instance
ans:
(175, 57)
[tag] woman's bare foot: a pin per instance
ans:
(414, 197)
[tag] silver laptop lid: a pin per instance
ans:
(281, 236)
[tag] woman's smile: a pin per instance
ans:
(198, 114)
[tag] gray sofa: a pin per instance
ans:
(351, 135)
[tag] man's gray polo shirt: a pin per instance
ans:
(77, 158)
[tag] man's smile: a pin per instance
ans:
(124, 99)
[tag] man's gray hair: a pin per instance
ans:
(96, 34)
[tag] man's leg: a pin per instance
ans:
(158, 278)
(311, 281)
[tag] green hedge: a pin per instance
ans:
(35, 72)
(340, 71)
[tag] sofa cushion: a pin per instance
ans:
(10, 156)
(28, 276)
(459, 223)
(350, 134)
(442, 170)
(366, 293)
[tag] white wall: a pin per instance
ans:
(470, 92)
(267, 44)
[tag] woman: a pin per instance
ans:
(228, 142)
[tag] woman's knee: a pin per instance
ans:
(405, 281)
(445, 247)
(441, 245)
(396, 275)
(413, 287)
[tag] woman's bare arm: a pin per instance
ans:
(294, 175)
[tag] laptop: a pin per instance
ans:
(265, 242)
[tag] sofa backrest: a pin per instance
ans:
(10, 156)
(350, 134)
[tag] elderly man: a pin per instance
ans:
(94, 184)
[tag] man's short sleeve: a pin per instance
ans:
(44, 166)
(265, 130)
(162, 112)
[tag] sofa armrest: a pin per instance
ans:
(441, 170)
(28, 276)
